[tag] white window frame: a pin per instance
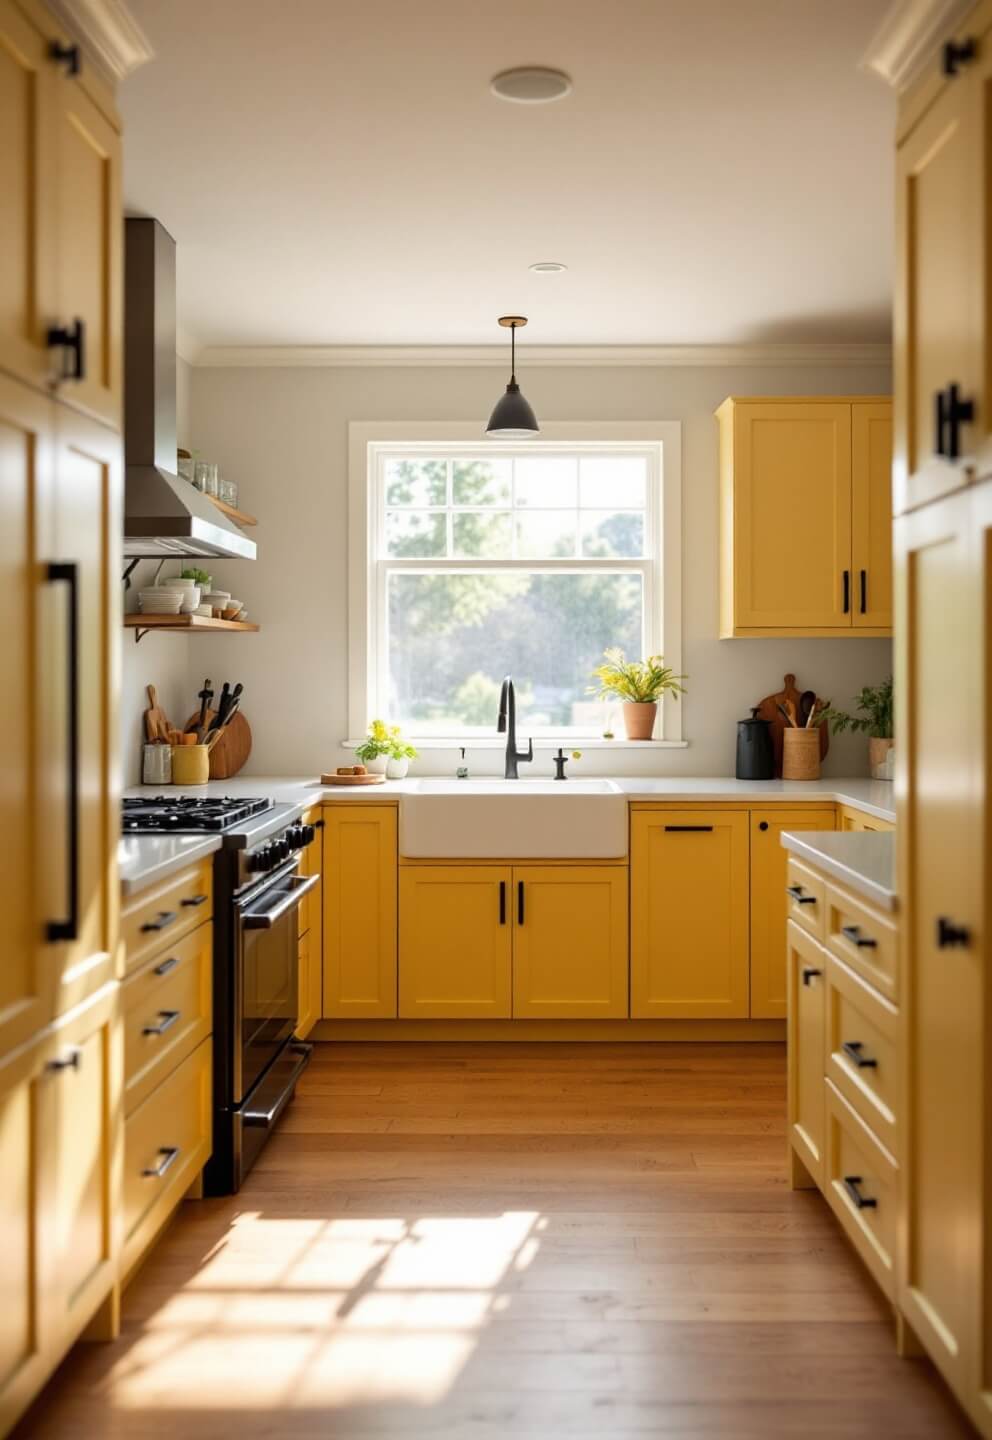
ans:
(370, 442)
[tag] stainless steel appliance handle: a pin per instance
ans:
(265, 919)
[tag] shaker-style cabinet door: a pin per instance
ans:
(769, 866)
(359, 885)
(570, 942)
(871, 515)
(455, 942)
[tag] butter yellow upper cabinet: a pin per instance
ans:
(689, 914)
(769, 866)
(803, 500)
(359, 886)
(455, 942)
(570, 942)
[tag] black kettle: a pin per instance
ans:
(755, 758)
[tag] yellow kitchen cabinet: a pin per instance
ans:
(311, 931)
(360, 921)
(22, 1354)
(455, 942)
(804, 497)
(570, 942)
(851, 819)
(689, 914)
(807, 983)
(769, 864)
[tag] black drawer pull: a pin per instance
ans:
(520, 902)
(166, 965)
(162, 919)
(799, 895)
(950, 936)
(852, 1049)
(68, 55)
(169, 1018)
(169, 1154)
(864, 592)
(502, 902)
(809, 974)
(67, 571)
(847, 592)
(689, 829)
(862, 1202)
(853, 933)
(196, 900)
(71, 1060)
(957, 53)
(71, 340)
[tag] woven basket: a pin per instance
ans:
(800, 754)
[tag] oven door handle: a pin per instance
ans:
(265, 919)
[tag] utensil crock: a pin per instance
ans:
(800, 754)
(190, 765)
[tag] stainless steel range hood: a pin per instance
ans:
(163, 514)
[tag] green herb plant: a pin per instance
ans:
(636, 682)
(875, 719)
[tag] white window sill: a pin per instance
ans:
(498, 742)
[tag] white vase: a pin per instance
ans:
(396, 769)
(376, 766)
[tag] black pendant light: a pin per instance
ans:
(512, 419)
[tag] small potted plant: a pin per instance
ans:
(401, 752)
(638, 685)
(875, 721)
(374, 749)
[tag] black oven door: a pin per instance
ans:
(267, 951)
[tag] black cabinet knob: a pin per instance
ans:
(67, 55)
(762, 824)
(957, 53)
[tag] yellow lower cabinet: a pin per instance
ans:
(807, 977)
(689, 914)
(851, 819)
(455, 942)
(22, 1361)
(359, 884)
(860, 1184)
(570, 942)
(769, 878)
(310, 987)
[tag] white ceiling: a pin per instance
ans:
(337, 171)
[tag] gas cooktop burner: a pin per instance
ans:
(188, 815)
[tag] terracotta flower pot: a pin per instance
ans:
(639, 718)
(881, 757)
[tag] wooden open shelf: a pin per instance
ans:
(189, 624)
(240, 517)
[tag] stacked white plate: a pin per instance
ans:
(160, 601)
(188, 590)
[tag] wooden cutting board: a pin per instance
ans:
(156, 720)
(768, 710)
(231, 752)
(352, 779)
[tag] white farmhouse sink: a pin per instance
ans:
(513, 820)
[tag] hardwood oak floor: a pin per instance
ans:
(493, 1242)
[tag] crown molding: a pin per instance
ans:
(909, 36)
(495, 356)
(108, 32)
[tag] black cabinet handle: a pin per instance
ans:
(169, 1018)
(958, 53)
(688, 829)
(863, 1202)
(67, 572)
(502, 902)
(952, 411)
(854, 935)
(196, 900)
(951, 936)
(167, 965)
(67, 55)
(170, 1154)
(847, 592)
(864, 592)
(810, 974)
(796, 891)
(72, 342)
(520, 902)
(852, 1049)
(163, 919)
(71, 1060)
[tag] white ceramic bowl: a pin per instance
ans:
(177, 583)
(217, 598)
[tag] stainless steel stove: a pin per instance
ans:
(188, 814)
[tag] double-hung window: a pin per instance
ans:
(529, 560)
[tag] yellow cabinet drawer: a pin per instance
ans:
(863, 939)
(806, 898)
(167, 1012)
(862, 1188)
(167, 1142)
(155, 918)
(862, 1058)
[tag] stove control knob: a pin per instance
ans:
(257, 860)
(294, 837)
(309, 834)
(280, 849)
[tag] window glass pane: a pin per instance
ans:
(416, 482)
(546, 534)
(480, 482)
(483, 533)
(611, 535)
(612, 482)
(452, 638)
(416, 533)
(545, 480)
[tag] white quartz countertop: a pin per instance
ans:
(862, 860)
(145, 859)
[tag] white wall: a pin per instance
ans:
(158, 660)
(282, 433)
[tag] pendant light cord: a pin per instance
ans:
(513, 354)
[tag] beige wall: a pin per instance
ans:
(283, 434)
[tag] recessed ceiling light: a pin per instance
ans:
(531, 85)
(548, 267)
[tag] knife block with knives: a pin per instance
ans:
(224, 731)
